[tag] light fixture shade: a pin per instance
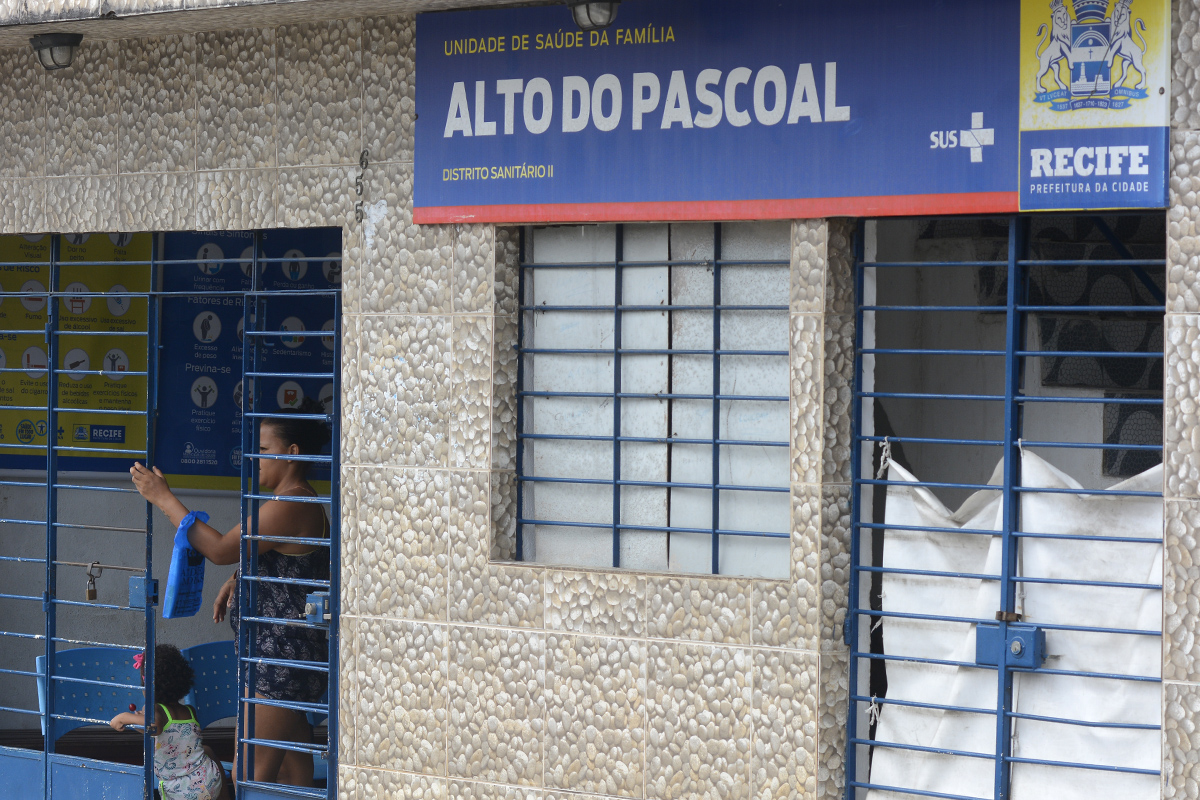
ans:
(56, 50)
(591, 15)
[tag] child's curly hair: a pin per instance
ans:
(173, 675)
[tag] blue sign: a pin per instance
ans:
(202, 391)
(705, 109)
(1101, 168)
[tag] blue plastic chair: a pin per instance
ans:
(89, 700)
(214, 692)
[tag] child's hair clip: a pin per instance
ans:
(138, 660)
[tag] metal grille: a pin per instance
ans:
(949, 388)
(49, 451)
(264, 313)
(47, 356)
(641, 424)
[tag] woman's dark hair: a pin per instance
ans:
(311, 435)
(173, 674)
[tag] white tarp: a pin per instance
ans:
(1063, 697)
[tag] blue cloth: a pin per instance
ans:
(185, 581)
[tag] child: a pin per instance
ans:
(183, 766)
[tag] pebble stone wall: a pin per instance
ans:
(463, 675)
(1181, 590)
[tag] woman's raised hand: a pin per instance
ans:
(150, 483)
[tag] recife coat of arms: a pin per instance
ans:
(1091, 59)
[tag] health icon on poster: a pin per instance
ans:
(292, 324)
(34, 303)
(117, 306)
(294, 265)
(76, 363)
(246, 260)
(77, 305)
(325, 398)
(238, 398)
(206, 327)
(290, 395)
(33, 361)
(209, 259)
(116, 363)
(204, 392)
(332, 268)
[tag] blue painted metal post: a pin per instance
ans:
(152, 338)
(335, 538)
(520, 488)
(850, 627)
(247, 589)
(716, 407)
(1011, 513)
(618, 293)
(48, 604)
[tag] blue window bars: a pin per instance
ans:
(993, 341)
(48, 450)
(652, 400)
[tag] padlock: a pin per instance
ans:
(91, 594)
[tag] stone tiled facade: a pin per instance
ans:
(462, 674)
(1181, 572)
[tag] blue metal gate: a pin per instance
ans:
(66, 495)
(986, 341)
(76, 679)
(264, 313)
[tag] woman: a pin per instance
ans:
(278, 520)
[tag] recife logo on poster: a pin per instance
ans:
(1082, 55)
(1094, 63)
(1094, 103)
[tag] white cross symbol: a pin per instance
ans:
(978, 137)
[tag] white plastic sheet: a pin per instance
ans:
(1037, 694)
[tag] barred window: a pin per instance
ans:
(653, 415)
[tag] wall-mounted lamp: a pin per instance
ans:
(591, 15)
(56, 50)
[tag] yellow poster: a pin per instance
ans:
(102, 346)
(1095, 64)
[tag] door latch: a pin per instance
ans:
(1024, 646)
(142, 593)
(316, 608)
